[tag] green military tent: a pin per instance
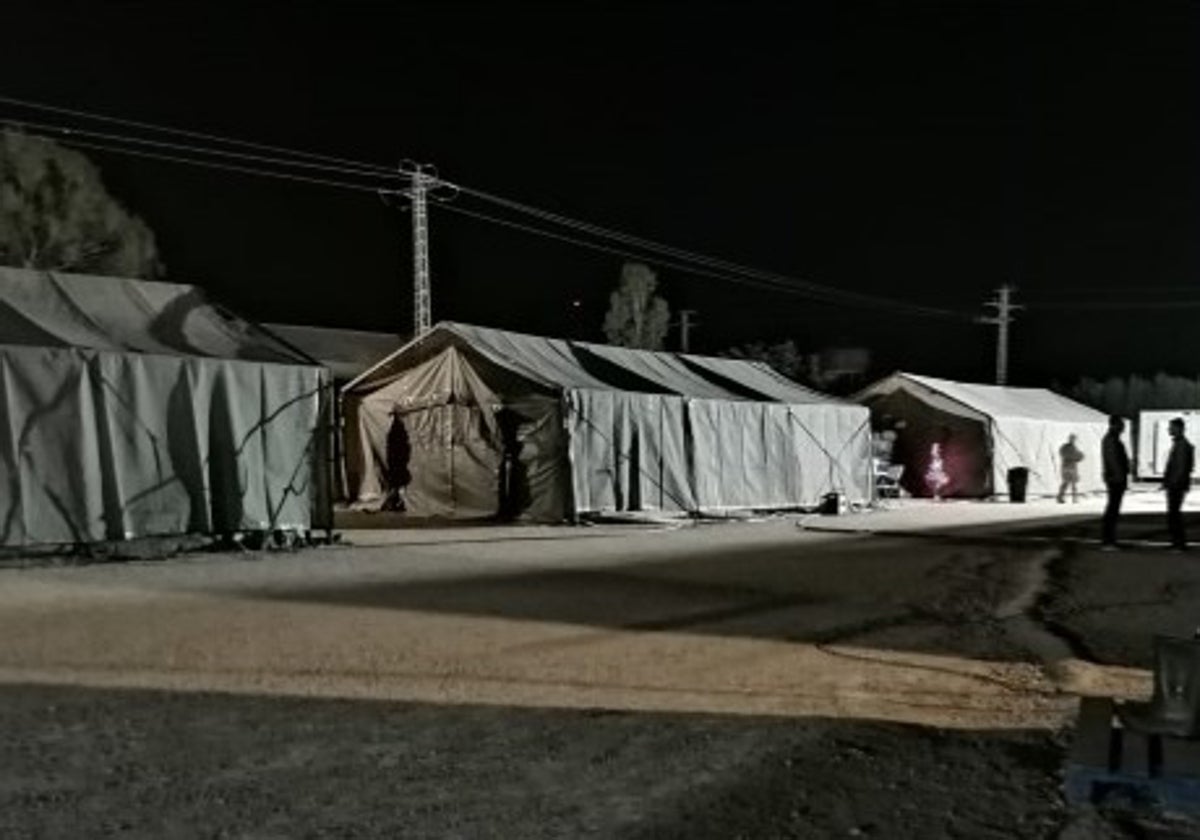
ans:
(466, 420)
(132, 409)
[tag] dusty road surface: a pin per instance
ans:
(740, 679)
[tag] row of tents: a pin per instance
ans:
(132, 409)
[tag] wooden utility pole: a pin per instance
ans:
(1004, 307)
(686, 325)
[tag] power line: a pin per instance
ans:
(229, 167)
(814, 289)
(197, 135)
(595, 246)
(70, 133)
(1114, 305)
(763, 279)
(628, 253)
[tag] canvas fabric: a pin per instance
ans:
(131, 409)
(99, 446)
(986, 430)
(598, 429)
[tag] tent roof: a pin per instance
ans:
(49, 309)
(758, 377)
(556, 363)
(995, 401)
(346, 353)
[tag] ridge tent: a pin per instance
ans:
(571, 428)
(985, 430)
(132, 409)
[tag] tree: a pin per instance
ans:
(784, 357)
(637, 317)
(55, 214)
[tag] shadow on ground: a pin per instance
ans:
(1134, 527)
(161, 765)
(897, 594)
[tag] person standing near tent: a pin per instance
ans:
(1177, 480)
(1116, 479)
(1069, 458)
(936, 478)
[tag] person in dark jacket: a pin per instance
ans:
(1177, 480)
(1116, 478)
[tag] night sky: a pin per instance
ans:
(924, 152)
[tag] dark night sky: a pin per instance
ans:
(927, 152)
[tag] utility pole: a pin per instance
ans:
(686, 325)
(1004, 307)
(422, 297)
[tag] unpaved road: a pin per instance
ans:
(736, 680)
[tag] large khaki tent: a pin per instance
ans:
(589, 429)
(132, 409)
(985, 430)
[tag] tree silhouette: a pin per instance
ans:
(637, 317)
(784, 357)
(55, 214)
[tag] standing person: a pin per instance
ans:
(935, 476)
(1116, 479)
(1069, 458)
(1177, 480)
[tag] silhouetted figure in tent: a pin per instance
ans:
(399, 451)
(512, 473)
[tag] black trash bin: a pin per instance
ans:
(1018, 480)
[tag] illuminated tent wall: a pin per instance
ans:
(1154, 441)
(132, 409)
(985, 430)
(594, 428)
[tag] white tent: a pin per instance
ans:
(984, 431)
(1154, 441)
(591, 428)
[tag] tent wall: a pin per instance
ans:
(105, 446)
(660, 452)
(1034, 444)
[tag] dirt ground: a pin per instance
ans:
(754, 679)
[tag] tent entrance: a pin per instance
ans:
(963, 441)
(445, 461)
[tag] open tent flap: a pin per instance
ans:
(962, 435)
(91, 453)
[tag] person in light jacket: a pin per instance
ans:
(1116, 478)
(1177, 480)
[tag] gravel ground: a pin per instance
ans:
(916, 688)
(85, 763)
